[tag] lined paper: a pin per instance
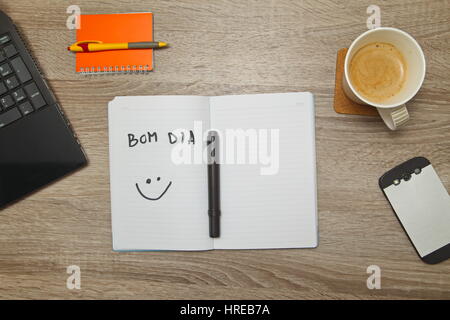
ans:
(269, 211)
(177, 221)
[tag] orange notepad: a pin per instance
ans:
(126, 27)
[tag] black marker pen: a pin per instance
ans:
(213, 184)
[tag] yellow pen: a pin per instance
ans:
(94, 45)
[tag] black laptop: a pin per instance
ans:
(37, 144)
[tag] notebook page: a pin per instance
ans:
(169, 213)
(278, 209)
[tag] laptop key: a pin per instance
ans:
(9, 116)
(18, 95)
(26, 108)
(2, 56)
(4, 39)
(20, 69)
(10, 50)
(2, 88)
(35, 95)
(5, 69)
(12, 82)
(7, 102)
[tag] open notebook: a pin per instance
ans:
(159, 188)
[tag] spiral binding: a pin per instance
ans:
(116, 69)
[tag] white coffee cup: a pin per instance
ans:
(393, 111)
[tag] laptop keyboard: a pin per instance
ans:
(19, 94)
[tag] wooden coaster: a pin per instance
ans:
(342, 104)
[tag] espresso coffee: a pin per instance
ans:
(378, 71)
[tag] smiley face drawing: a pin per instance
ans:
(153, 198)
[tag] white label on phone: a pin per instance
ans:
(422, 204)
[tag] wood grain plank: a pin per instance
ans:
(235, 47)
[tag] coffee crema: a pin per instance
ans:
(378, 71)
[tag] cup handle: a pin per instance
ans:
(394, 117)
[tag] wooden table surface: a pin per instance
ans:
(235, 47)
